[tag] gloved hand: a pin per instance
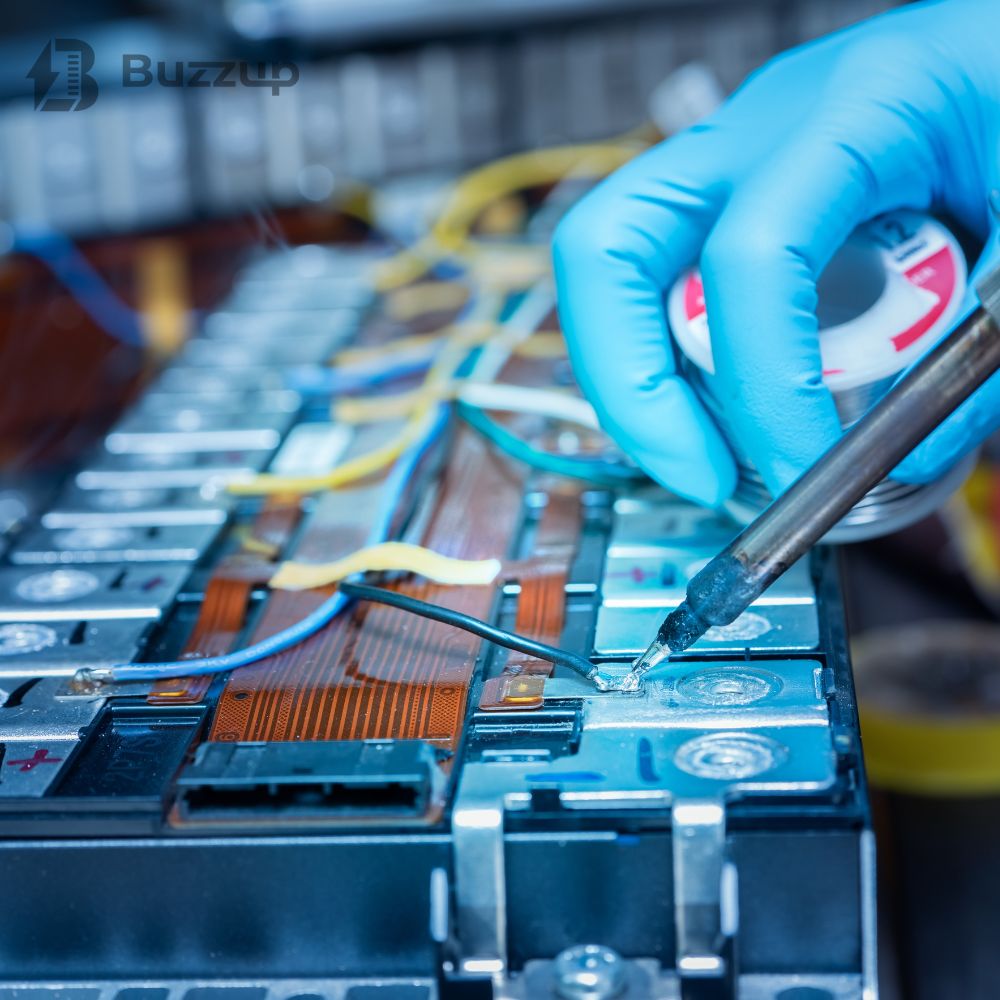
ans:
(902, 111)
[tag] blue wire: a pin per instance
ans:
(395, 485)
(333, 382)
(61, 255)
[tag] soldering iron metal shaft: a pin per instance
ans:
(822, 495)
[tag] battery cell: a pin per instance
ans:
(626, 631)
(198, 380)
(643, 528)
(661, 581)
(70, 593)
(60, 648)
(171, 469)
(114, 544)
(152, 506)
(328, 325)
(187, 429)
(222, 402)
(715, 694)
(40, 734)
(654, 550)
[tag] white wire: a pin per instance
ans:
(522, 399)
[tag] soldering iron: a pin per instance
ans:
(720, 592)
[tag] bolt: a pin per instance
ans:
(589, 972)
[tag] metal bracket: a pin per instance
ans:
(869, 919)
(705, 899)
(480, 886)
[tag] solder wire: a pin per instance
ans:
(552, 403)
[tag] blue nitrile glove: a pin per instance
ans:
(902, 111)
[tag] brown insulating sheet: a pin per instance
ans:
(377, 672)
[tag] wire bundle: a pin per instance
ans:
(461, 365)
(329, 609)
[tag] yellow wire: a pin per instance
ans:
(348, 472)
(477, 189)
(379, 409)
(404, 345)
(259, 547)
(413, 301)
(401, 345)
(546, 345)
(163, 293)
(388, 556)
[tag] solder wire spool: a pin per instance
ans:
(884, 300)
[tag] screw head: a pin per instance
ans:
(589, 972)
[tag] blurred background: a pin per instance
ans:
(393, 100)
(121, 220)
(387, 88)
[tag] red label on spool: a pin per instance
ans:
(694, 296)
(935, 274)
(924, 284)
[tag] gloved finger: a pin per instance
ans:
(615, 254)
(974, 421)
(760, 269)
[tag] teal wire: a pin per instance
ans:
(595, 471)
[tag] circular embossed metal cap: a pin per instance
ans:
(104, 537)
(730, 756)
(57, 585)
(19, 638)
(729, 685)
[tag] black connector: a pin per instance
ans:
(311, 780)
